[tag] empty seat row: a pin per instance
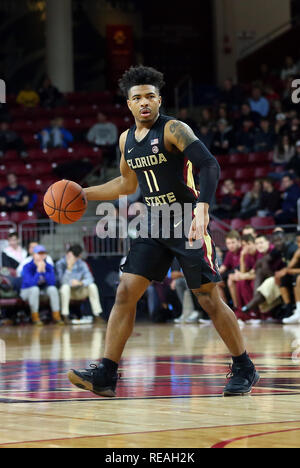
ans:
(241, 159)
(245, 173)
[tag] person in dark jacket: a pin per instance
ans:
(264, 138)
(9, 140)
(290, 196)
(269, 198)
(50, 96)
(38, 277)
(223, 138)
(294, 165)
(245, 138)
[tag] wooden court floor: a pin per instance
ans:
(169, 396)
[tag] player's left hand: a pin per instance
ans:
(200, 223)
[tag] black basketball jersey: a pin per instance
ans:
(164, 177)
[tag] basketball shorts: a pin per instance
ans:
(152, 259)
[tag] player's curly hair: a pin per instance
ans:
(141, 75)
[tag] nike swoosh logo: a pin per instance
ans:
(129, 151)
(176, 225)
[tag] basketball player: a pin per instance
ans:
(162, 181)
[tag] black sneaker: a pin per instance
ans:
(241, 380)
(96, 380)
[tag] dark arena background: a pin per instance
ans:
(232, 73)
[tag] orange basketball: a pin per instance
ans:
(65, 202)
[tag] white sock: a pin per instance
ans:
(298, 308)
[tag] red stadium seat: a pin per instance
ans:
(223, 161)
(19, 168)
(243, 174)
(239, 224)
(11, 155)
(260, 223)
(258, 158)
(4, 216)
(238, 159)
(261, 172)
(226, 174)
(3, 170)
(20, 216)
(246, 187)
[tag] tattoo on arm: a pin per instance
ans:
(183, 135)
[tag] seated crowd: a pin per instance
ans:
(33, 277)
(261, 282)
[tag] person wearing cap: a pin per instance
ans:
(38, 277)
(29, 258)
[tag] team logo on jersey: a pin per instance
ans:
(155, 149)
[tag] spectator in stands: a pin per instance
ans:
(38, 277)
(293, 165)
(290, 68)
(230, 263)
(245, 277)
(251, 201)
(13, 254)
(268, 295)
(76, 281)
(229, 204)
(55, 136)
(50, 96)
(293, 280)
(281, 126)
(9, 140)
(231, 95)
(247, 114)
(222, 113)
(223, 138)
(269, 199)
(258, 103)
(29, 258)
(291, 194)
(103, 133)
(28, 97)
(244, 139)
(206, 135)
(264, 138)
(14, 197)
(284, 151)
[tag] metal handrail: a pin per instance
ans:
(267, 37)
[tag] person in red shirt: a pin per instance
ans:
(251, 273)
(230, 264)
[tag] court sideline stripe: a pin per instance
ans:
(251, 436)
